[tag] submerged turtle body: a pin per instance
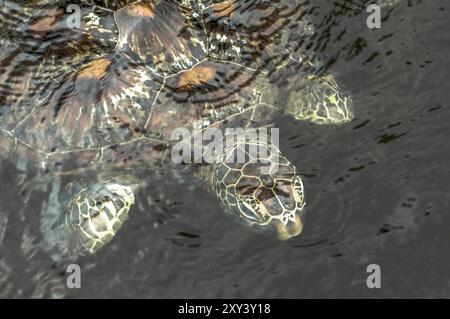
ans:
(101, 101)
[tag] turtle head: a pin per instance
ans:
(267, 195)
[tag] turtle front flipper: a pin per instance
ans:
(255, 183)
(307, 96)
(81, 219)
(320, 101)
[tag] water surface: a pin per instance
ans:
(377, 190)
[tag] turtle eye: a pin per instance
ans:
(246, 190)
(282, 188)
(252, 210)
(264, 194)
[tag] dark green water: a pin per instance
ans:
(377, 190)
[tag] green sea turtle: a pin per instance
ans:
(94, 107)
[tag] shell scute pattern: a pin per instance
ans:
(211, 93)
(161, 35)
(238, 32)
(109, 94)
(95, 108)
(161, 45)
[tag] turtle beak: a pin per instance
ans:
(289, 230)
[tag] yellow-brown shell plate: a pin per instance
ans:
(107, 101)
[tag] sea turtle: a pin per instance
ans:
(94, 106)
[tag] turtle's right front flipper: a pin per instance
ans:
(81, 218)
(307, 95)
